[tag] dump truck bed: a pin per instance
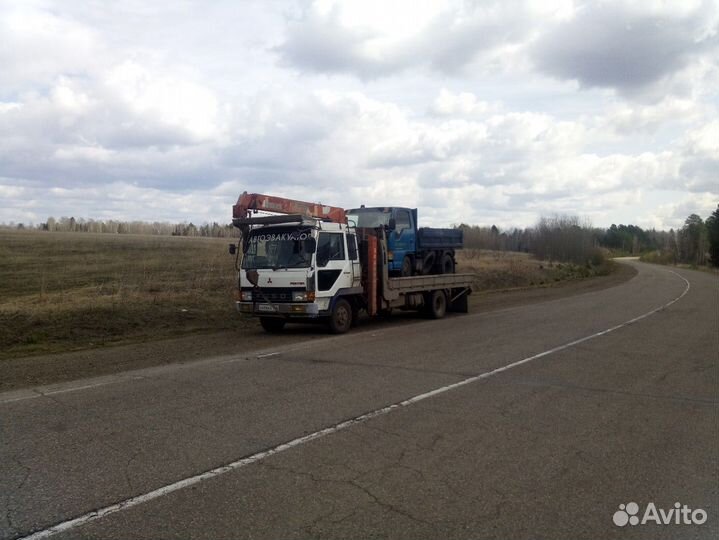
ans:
(431, 239)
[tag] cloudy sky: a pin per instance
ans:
(478, 112)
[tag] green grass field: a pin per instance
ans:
(67, 291)
(62, 291)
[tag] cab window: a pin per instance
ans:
(352, 247)
(330, 247)
(402, 220)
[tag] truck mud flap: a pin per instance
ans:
(459, 300)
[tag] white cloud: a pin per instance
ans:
(628, 46)
(673, 214)
(172, 109)
(704, 141)
(463, 105)
(374, 39)
(181, 105)
(700, 167)
(38, 45)
(625, 119)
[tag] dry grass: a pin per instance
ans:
(65, 291)
(502, 270)
(61, 291)
(668, 259)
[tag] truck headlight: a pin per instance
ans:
(246, 296)
(303, 296)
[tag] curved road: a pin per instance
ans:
(531, 422)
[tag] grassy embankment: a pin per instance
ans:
(669, 259)
(502, 270)
(65, 291)
(61, 291)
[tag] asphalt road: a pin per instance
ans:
(530, 422)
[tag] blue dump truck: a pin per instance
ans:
(412, 250)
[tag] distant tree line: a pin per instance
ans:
(111, 226)
(568, 238)
(557, 238)
(696, 243)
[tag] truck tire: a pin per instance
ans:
(436, 304)
(272, 324)
(341, 318)
(447, 264)
(406, 267)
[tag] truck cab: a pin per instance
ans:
(297, 269)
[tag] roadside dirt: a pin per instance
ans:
(46, 369)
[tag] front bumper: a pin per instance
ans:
(294, 309)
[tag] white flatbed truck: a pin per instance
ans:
(310, 264)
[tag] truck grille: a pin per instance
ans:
(275, 294)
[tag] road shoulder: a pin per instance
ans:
(30, 371)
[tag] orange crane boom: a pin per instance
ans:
(252, 202)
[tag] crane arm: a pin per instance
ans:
(252, 202)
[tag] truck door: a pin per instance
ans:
(403, 237)
(334, 271)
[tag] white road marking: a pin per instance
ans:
(74, 388)
(34, 393)
(267, 355)
(242, 462)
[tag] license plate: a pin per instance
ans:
(266, 307)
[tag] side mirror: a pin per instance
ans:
(232, 249)
(392, 224)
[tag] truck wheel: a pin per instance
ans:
(341, 318)
(447, 265)
(272, 325)
(406, 267)
(437, 304)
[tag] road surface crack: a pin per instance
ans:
(389, 506)
(126, 470)
(314, 478)
(9, 506)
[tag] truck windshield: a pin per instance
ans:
(369, 217)
(278, 248)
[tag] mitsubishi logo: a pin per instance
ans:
(269, 280)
